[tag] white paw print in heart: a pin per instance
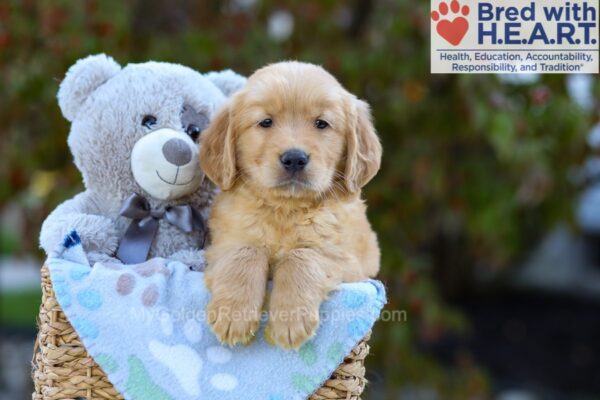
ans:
(189, 377)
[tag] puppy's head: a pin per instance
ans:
(292, 131)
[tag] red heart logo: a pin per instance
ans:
(454, 31)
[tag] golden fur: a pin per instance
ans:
(307, 231)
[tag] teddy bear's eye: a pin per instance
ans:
(193, 122)
(149, 121)
(193, 131)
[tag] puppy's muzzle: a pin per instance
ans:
(294, 160)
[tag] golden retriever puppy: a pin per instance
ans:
(290, 152)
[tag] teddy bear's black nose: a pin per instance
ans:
(177, 152)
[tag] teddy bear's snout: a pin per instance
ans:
(177, 152)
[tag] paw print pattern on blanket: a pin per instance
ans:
(168, 355)
(172, 356)
(127, 280)
(145, 326)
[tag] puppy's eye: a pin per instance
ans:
(266, 123)
(193, 131)
(149, 121)
(320, 124)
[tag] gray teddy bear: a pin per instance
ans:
(134, 137)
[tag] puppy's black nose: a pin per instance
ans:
(177, 152)
(294, 160)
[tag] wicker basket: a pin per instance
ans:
(62, 368)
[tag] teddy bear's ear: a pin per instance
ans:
(85, 76)
(227, 80)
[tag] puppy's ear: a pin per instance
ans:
(363, 154)
(217, 152)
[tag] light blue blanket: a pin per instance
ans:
(144, 325)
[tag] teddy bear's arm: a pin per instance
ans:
(98, 233)
(194, 258)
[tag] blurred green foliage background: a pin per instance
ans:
(474, 170)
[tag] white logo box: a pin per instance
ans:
(514, 36)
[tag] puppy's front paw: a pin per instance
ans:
(233, 322)
(291, 327)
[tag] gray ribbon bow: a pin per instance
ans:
(135, 245)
